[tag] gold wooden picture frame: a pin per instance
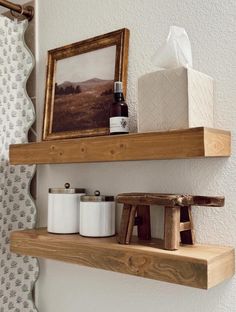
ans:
(79, 85)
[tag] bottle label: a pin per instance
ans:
(119, 124)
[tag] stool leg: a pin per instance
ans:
(171, 228)
(131, 224)
(124, 223)
(127, 224)
(144, 227)
(187, 236)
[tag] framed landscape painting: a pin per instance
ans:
(79, 86)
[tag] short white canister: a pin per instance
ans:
(64, 209)
(97, 215)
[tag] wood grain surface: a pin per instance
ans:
(196, 266)
(187, 143)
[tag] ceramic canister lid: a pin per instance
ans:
(97, 198)
(67, 190)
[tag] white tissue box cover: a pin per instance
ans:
(174, 99)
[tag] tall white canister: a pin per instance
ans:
(97, 215)
(64, 209)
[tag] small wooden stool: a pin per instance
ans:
(178, 224)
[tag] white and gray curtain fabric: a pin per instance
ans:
(17, 209)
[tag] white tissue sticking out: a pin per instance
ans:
(176, 51)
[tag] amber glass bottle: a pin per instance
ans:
(119, 116)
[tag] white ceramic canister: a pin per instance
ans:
(97, 215)
(64, 209)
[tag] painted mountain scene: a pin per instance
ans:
(82, 105)
(83, 92)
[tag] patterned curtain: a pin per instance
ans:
(17, 209)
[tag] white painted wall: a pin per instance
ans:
(211, 26)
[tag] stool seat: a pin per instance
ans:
(178, 224)
(163, 199)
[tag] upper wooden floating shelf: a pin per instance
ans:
(197, 266)
(187, 143)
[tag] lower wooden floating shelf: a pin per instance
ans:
(197, 266)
